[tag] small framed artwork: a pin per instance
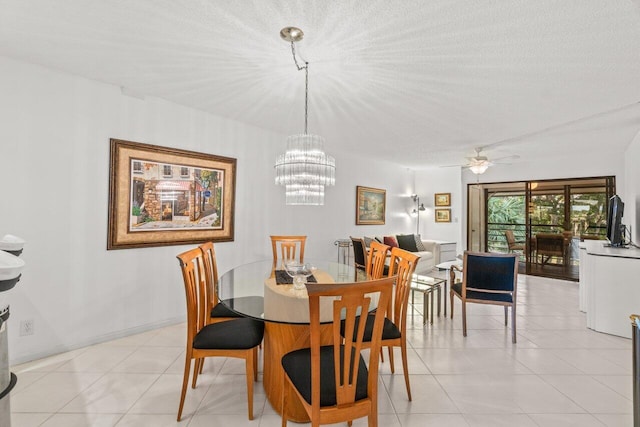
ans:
(370, 206)
(161, 196)
(442, 199)
(443, 215)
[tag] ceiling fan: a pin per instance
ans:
(479, 164)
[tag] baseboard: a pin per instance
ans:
(96, 340)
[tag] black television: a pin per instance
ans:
(615, 229)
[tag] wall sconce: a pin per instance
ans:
(419, 207)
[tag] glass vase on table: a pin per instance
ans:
(299, 272)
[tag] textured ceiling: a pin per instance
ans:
(417, 82)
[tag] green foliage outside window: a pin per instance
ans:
(504, 212)
(589, 213)
(548, 209)
(506, 209)
(507, 212)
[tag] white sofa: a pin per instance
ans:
(428, 258)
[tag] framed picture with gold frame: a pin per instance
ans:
(160, 196)
(443, 215)
(442, 199)
(370, 206)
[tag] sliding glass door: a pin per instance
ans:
(543, 221)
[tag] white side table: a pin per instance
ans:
(447, 251)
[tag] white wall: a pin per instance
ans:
(54, 172)
(441, 180)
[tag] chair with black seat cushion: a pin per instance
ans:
(289, 246)
(376, 265)
(330, 378)
(359, 253)
(219, 310)
(222, 312)
(233, 338)
(402, 265)
(487, 278)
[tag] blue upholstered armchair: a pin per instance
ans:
(487, 278)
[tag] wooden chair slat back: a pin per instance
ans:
(196, 290)
(288, 250)
(289, 245)
(376, 259)
(211, 272)
(350, 300)
(403, 265)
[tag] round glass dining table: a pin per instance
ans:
(259, 291)
(253, 290)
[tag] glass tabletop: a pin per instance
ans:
(425, 283)
(251, 290)
(427, 280)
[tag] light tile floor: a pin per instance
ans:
(558, 374)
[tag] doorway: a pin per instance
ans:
(541, 220)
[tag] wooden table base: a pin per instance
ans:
(279, 339)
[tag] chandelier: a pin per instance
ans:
(304, 168)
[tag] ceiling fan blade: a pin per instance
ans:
(512, 157)
(479, 160)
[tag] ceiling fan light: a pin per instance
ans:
(479, 169)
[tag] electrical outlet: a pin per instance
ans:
(26, 327)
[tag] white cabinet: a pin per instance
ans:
(447, 251)
(611, 291)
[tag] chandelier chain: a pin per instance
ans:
(293, 52)
(306, 85)
(306, 96)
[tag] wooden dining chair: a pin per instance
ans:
(233, 338)
(332, 382)
(359, 253)
(376, 260)
(394, 333)
(217, 312)
(487, 278)
(376, 266)
(403, 265)
(289, 246)
(220, 312)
